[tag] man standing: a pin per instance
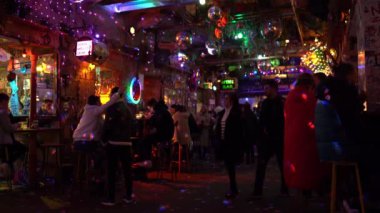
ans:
(272, 143)
(16, 149)
(6, 127)
(117, 133)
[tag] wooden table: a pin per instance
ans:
(32, 144)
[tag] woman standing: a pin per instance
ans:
(229, 133)
(204, 122)
(302, 168)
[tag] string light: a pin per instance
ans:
(58, 13)
(315, 59)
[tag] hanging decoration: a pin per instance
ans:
(183, 40)
(275, 62)
(316, 60)
(179, 60)
(218, 33)
(214, 13)
(271, 29)
(222, 22)
(244, 31)
(212, 47)
(133, 91)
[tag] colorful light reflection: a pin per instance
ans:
(133, 92)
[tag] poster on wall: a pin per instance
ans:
(371, 20)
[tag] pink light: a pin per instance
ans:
(292, 168)
(311, 125)
(304, 96)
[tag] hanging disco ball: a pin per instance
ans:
(212, 47)
(100, 52)
(179, 59)
(214, 13)
(183, 39)
(271, 29)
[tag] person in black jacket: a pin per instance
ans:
(117, 132)
(251, 130)
(161, 121)
(272, 141)
(229, 133)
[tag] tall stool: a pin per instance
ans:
(8, 161)
(335, 166)
(177, 163)
(162, 159)
(47, 148)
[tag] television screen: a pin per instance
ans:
(84, 48)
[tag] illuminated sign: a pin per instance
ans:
(228, 84)
(207, 85)
(133, 92)
(84, 48)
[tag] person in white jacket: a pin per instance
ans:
(88, 133)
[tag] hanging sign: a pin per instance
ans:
(84, 48)
(228, 84)
(133, 92)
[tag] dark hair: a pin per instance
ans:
(234, 99)
(152, 102)
(246, 107)
(4, 97)
(114, 90)
(93, 100)
(342, 70)
(175, 107)
(182, 108)
(48, 101)
(320, 76)
(271, 83)
(305, 79)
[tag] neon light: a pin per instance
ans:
(14, 101)
(134, 91)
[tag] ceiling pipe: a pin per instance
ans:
(239, 60)
(144, 4)
(297, 20)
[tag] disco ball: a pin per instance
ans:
(271, 29)
(183, 39)
(212, 47)
(214, 13)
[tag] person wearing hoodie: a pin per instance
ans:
(88, 133)
(181, 127)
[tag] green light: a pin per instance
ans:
(240, 35)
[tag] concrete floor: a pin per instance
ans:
(200, 191)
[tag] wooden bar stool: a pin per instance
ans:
(335, 166)
(176, 164)
(47, 148)
(8, 161)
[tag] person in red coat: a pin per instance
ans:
(302, 168)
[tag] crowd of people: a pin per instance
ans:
(318, 122)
